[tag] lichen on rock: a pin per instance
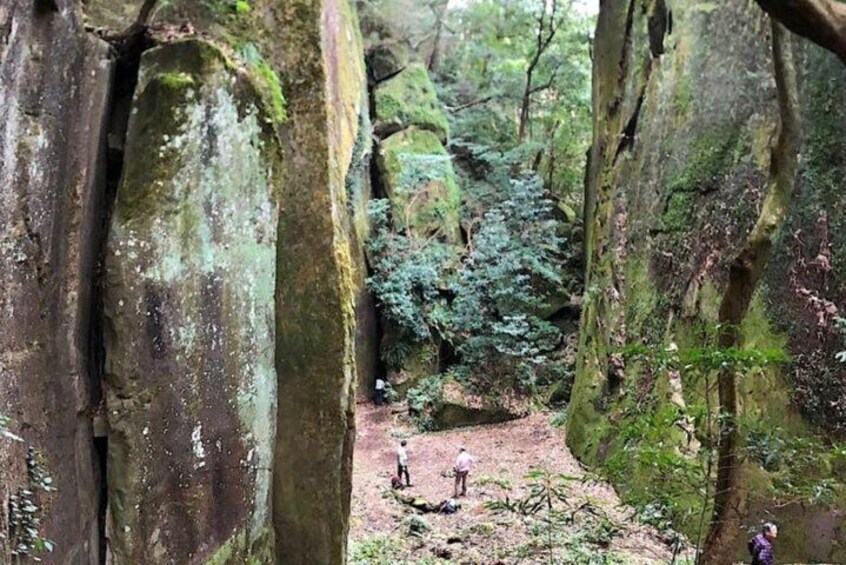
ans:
(190, 347)
(419, 180)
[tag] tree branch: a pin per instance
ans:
(821, 21)
(476, 102)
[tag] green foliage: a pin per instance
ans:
(550, 513)
(677, 443)
(377, 550)
(26, 506)
(484, 75)
(427, 396)
(408, 275)
(800, 466)
(487, 306)
(514, 256)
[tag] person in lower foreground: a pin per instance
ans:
(462, 468)
(761, 546)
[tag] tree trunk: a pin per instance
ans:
(524, 106)
(745, 272)
(821, 21)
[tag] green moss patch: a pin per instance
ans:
(420, 182)
(409, 99)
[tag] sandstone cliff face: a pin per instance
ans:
(232, 276)
(54, 87)
(686, 119)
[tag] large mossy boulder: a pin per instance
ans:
(54, 96)
(191, 389)
(684, 128)
(419, 180)
(459, 407)
(409, 99)
(386, 59)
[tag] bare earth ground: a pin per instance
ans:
(379, 531)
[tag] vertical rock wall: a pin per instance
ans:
(190, 327)
(323, 78)
(685, 120)
(234, 269)
(54, 85)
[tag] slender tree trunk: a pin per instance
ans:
(524, 106)
(744, 275)
(439, 10)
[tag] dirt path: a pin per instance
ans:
(505, 452)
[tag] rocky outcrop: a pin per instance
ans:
(190, 335)
(54, 95)
(458, 408)
(685, 162)
(234, 275)
(416, 175)
(315, 316)
(409, 99)
(419, 181)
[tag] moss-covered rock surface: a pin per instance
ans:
(324, 83)
(409, 99)
(419, 180)
(680, 165)
(190, 342)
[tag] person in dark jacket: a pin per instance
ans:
(761, 546)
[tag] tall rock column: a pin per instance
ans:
(190, 332)
(323, 79)
(54, 86)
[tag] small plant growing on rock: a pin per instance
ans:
(25, 507)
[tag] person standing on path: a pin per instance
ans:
(761, 546)
(462, 466)
(402, 463)
(379, 396)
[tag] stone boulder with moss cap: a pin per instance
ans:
(191, 385)
(409, 99)
(419, 180)
(459, 407)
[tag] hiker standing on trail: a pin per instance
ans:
(379, 396)
(761, 546)
(462, 468)
(402, 463)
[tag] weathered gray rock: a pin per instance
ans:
(191, 384)
(54, 83)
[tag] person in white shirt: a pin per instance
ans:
(402, 463)
(462, 466)
(379, 397)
